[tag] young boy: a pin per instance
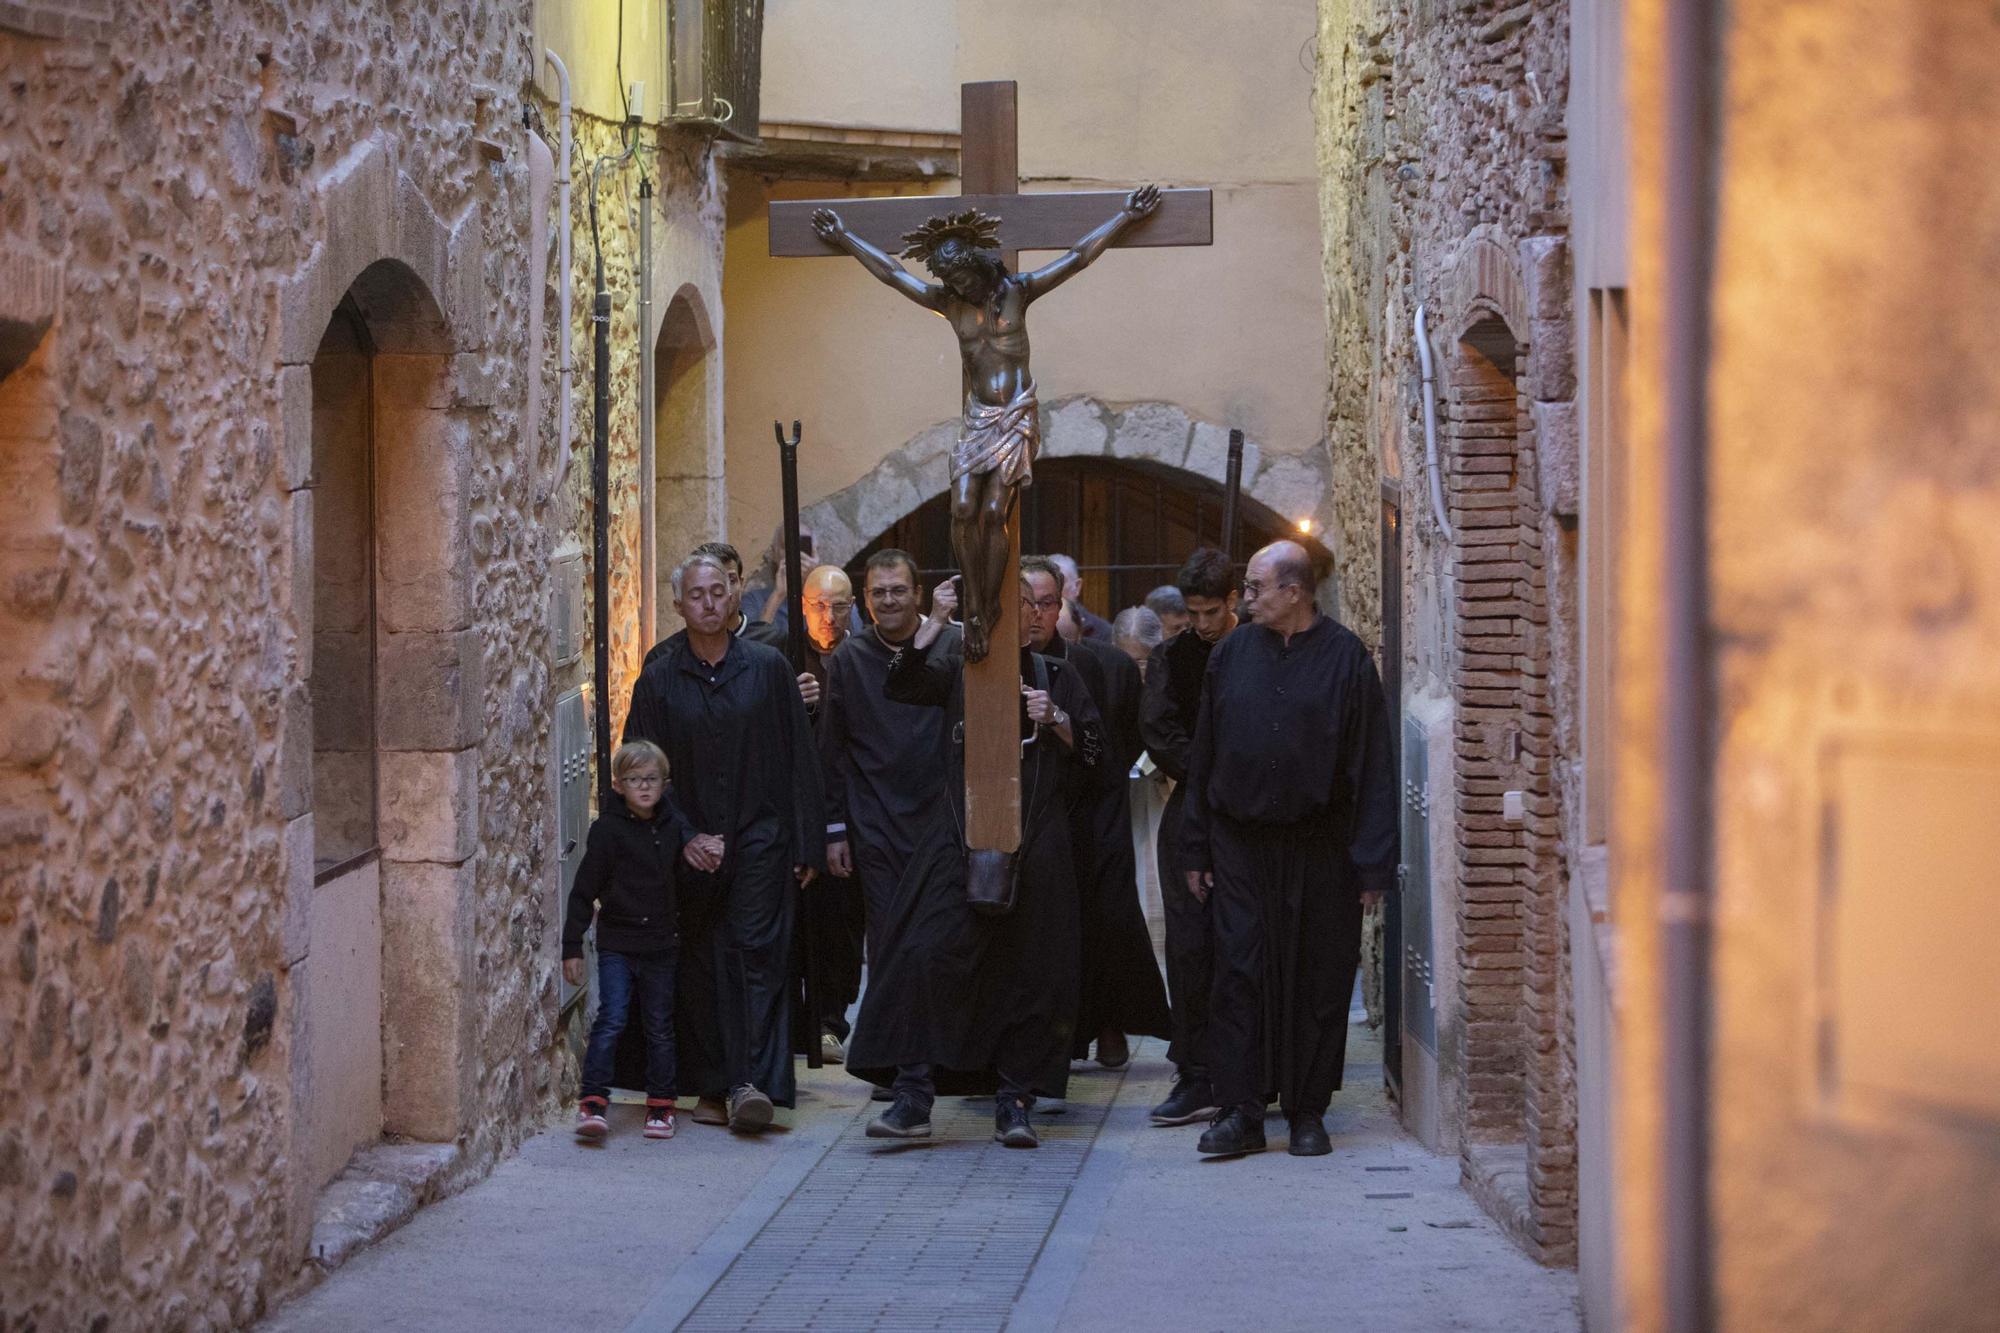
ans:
(628, 873)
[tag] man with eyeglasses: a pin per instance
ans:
(1120, 991)
(1289, 831)
(834, 916)
(883, 760)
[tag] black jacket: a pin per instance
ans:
(628, 873)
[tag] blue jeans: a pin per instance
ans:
(622, 978)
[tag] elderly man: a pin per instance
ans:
(1170, 605)
(834, 917)
(1137, 631)
(1207, 584)
(1289, 830)
(1121, 992)
(728, 714)
(1089, 624)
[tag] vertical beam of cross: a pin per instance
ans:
(989, 158)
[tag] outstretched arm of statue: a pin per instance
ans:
(827, 225)
(1139, 204)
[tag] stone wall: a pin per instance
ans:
(1441, 144)
(195, 199)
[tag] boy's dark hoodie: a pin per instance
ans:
(628, 871)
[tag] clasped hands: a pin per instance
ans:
(704, 852)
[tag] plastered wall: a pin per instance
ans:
(1182, 94)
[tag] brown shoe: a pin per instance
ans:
(709, 1111)
(749, 1110)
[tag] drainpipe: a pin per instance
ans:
(648, 555)
(1687, 180)
(565, 369)
(600, 489)
(1431, 427)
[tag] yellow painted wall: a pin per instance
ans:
(1181, 93)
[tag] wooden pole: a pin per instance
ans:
(990, 157)
(1230, 489)
(807, 1023)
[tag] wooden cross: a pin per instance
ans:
(990, 173)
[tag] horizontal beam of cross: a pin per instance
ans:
(1027, 221)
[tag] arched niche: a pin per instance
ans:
(687, 506)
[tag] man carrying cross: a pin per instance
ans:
(988, 309)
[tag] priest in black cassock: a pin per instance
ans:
(1119, 991)
(884, 761)
(745, 773)
(957, 1001)
(1289, 829)
(1206, 585)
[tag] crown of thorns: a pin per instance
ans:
(975, 228)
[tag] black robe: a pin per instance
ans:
(970, 995)
(742, 763)
(1167, 714)
(1120, 989)
(1296, 817)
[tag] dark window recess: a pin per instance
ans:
(1128, 525)
(714, 65)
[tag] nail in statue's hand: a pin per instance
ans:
(827, 224)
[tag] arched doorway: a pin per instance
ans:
(1129, 526)
(379, 992)
(687, 465)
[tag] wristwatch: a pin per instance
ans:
(1061, 719)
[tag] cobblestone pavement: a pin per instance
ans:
(1111, 1224)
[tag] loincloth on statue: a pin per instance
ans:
(999, 439)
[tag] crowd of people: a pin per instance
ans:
(763, 814)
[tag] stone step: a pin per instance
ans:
(380, 1189)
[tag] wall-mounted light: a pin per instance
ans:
(1305, 527)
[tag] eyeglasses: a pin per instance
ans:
(838, 608)
(1253, 590)
(890, 592)
(1042, 603)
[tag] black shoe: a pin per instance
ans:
(1011, 1127)
(903, 1120)
(1234, 1133)
(1309, 1137)
(1113, 1051)
(1192, 1099)
(878, 1093)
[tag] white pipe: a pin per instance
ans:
(1431, 426)
(541, 184)
(648, 554)
(565, 369)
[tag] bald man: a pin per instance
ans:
(835, 916)
(1288, 830)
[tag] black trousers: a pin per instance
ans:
(734, 995)
(1190, 950)
(834, 917)
(1287, 918)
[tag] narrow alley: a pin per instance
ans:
(1113, 1224)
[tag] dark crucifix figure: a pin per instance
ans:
(988, 309)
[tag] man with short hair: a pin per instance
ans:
(1120, 990)
(958, 1001)
(1207, 585)
(884, 760)
(1089, 624)
(1289, 831)
(738, 624)
(1167, 602)
(727, 711)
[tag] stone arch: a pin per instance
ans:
(687, 472)
(1282, 487)
(1509, 1006)
(379, 411)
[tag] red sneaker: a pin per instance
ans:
(659, 1120)
(590, 1122)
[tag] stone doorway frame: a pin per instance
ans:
(687, 504)
(381, 237)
